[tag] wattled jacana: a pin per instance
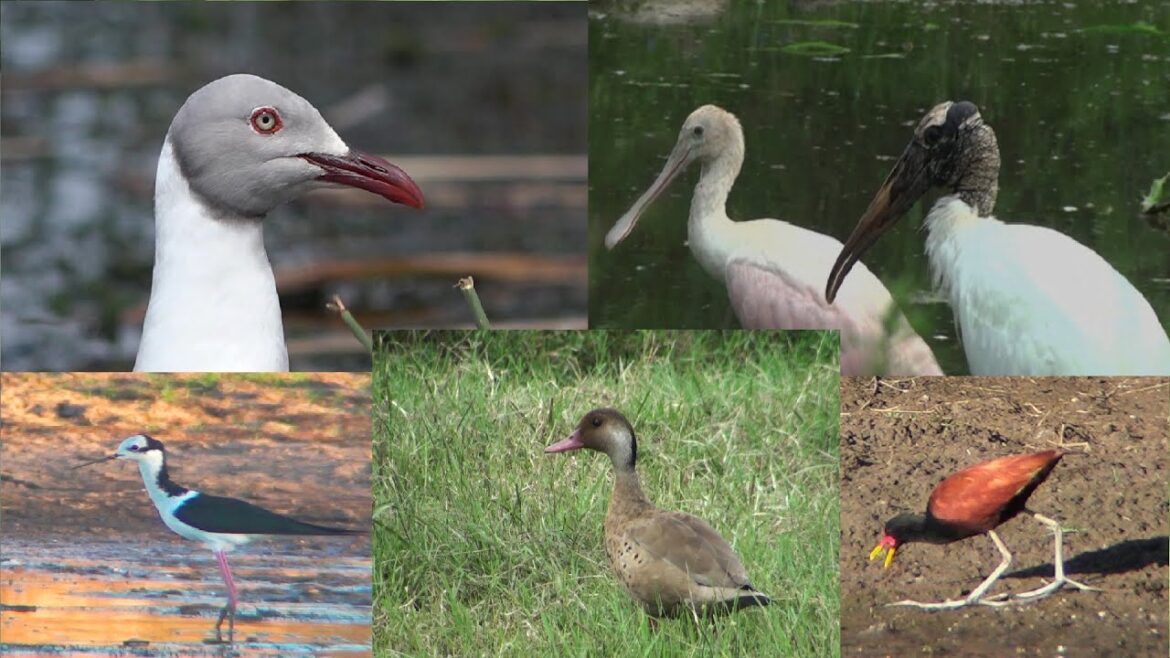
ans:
(974, 501)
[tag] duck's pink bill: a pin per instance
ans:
(571, 443)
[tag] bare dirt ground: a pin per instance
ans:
(297, 444)
(899, 438)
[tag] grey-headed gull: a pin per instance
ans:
(236, 149)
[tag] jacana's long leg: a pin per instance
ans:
(229, 610)
(976, 594)
(1058, 566)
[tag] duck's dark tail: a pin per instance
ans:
(749, 598)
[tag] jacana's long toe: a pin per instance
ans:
(944, 605)
(975, 598)
(1059, 580)
(1044, 592)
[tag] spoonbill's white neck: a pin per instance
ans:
(213, 302)
(710, 231)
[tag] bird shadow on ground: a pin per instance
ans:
(1129, 555)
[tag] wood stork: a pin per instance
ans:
(772, 269)
(1027, 300)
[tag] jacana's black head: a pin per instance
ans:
(899, 530)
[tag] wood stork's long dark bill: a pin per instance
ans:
(951, 148)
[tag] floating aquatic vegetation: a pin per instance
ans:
(827, 22)
(814, 48)
(1137, 26)
(1155, 200)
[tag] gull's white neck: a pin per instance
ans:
(710, 231)
(213, 303)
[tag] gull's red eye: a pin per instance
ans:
(266, 120)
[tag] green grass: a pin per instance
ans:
(484, 545)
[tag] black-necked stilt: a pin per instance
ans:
(217, 522)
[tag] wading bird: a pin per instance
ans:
(218, 523)
(975, 501)
(773, 270)
(669, 562)
(1027, 300)
(239, 147)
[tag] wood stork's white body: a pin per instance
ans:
(1027, 300)
(773, 270)
(1031, 300)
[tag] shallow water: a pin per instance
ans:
(828, 94)
(136, 598)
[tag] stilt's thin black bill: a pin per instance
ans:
(96, 461)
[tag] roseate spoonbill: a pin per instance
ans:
(1027, 300)
(772, 269)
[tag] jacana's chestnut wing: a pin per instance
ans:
(980, 497)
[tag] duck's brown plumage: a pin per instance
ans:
(668, 562)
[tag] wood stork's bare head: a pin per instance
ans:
(709, 133)
(953, 149)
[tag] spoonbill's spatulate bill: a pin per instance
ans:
(219, 523)
(774, 270)
(671, 563)
(1027, 300)
(236, 149)
(976, 501)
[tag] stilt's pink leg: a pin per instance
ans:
(226, 572)
(229, 610)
